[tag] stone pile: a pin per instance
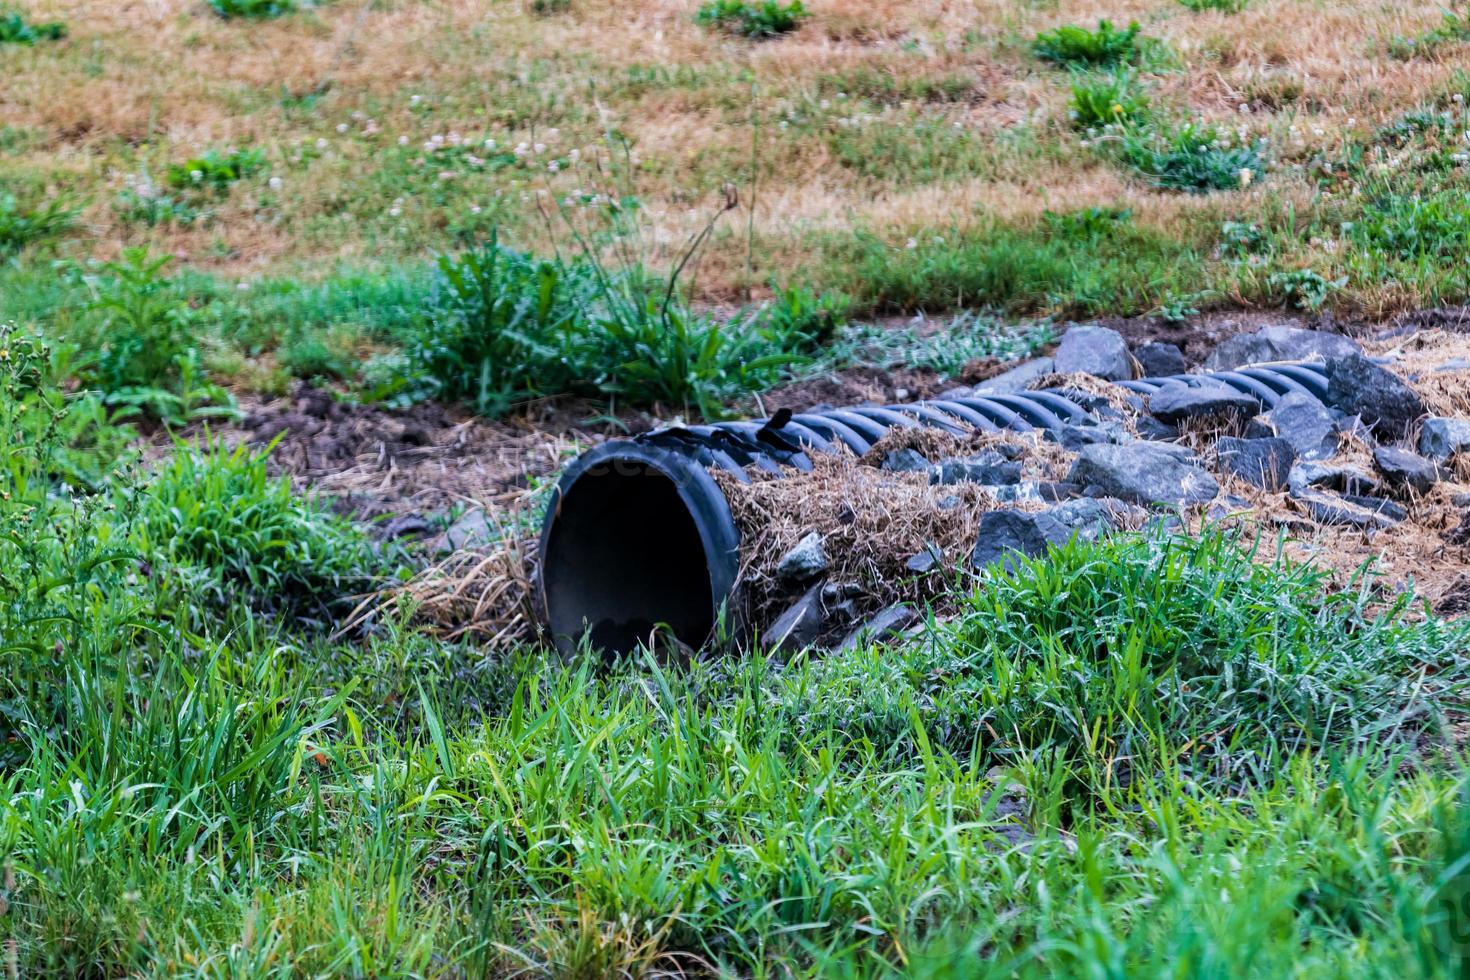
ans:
(1357, 459)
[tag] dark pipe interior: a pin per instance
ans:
(623, 556)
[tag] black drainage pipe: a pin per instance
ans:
(639, 535)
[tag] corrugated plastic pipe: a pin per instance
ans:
(639, 534)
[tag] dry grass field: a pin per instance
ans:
(872, 149)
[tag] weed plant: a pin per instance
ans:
(757, 20)
(1078, 47)
(16, 29)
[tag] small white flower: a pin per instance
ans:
(474, 209)
(242, 285)
(489, 144)
(415, 99)
(394, 212)
(553, 166)
(825, 104)
(341, 127)
(553, 133)
(276, 183)
(912, 243)
(574, 155)
(539, 148)
(403, 141)
(1457, 97)
(321, 144)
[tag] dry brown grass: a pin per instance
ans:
(144, 82)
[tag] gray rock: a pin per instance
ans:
(1278, 344)
(1142, 473)
(905, 461)
(1391, 509)
(1442, 439)
(1018, 377)
(804, 562)
(1304, 422)
(1263, 463)
(1151, 428)
(1227, 506)
(1034, 491)
(471, 530)
(1005, 534)
(1325, 508)
(1317, 476)
(950, 502)
(926, 561)
(1087, 518)
(1158, 360)
(799, 626)
(989, 468)
(1175, 403)
(1379, 397)
(885, 624)
(1098, 351)
(1402, 468)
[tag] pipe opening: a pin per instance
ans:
(623, 555)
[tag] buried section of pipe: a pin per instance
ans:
(639, 536)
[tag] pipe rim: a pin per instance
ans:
(697, 490)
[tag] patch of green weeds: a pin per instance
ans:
(214, 170)
(144, 358)
(216, 514)
(506, 327)
(1078, 47)
(1218, 6)
(1305, 289)
(1107, 99)
(1192, 157)
(16, 29)
(254, 9)
(22, 225)
(759, 19)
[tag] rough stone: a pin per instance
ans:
(1304, 422)
(1094, 350)
(1391, 509)
(1442, 439)
(1402, 468)
(1160, 360)
(1034, 491)
(1018, 377)
(1005, 534)
(1087, 518)
(1325, 508)
(470, 530)
(1379, 397)
(990, 468)
(905, 461)
(799, 626)
(926, 561)
(1263, 463)
(1279, 343)
(1343, 479)
(1151, 428)
(885, 624)
(804, 562)
(1142, 473)
(1174, 403)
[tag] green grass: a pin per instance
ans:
(1107, 265)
